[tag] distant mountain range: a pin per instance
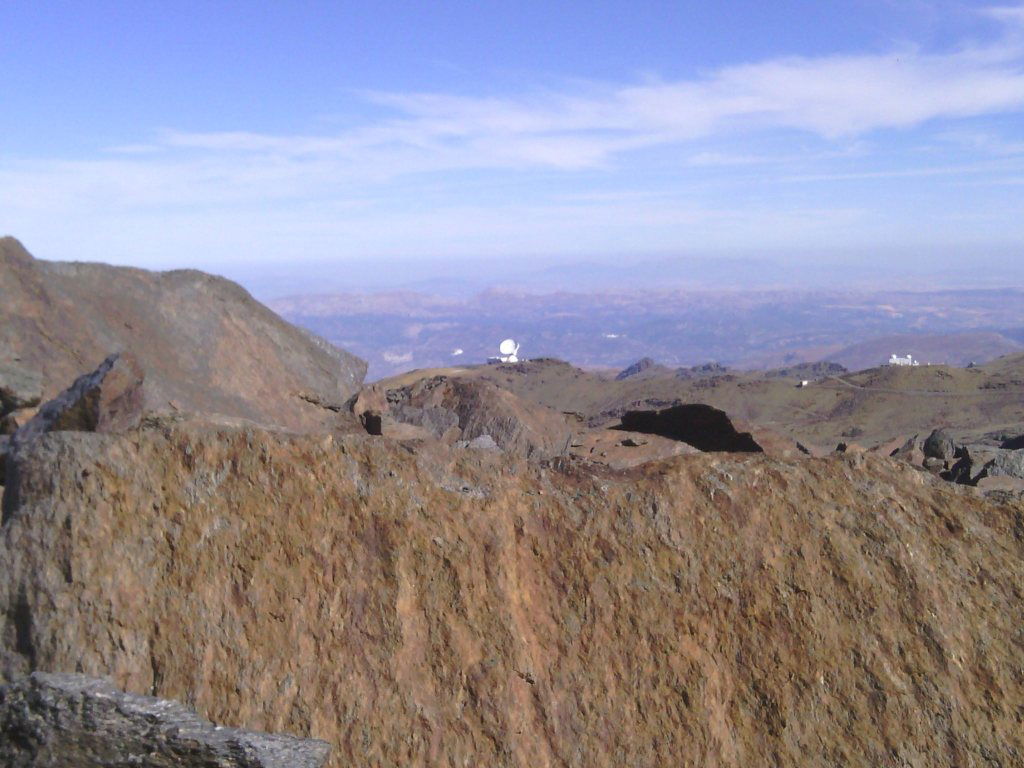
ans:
(750, 329)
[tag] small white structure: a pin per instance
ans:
(456, 352)
(908, 360)
(508, 352)
(804, 383)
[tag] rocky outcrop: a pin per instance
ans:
(701, 426)
(72, 721)
(706, 370)
(418, 604)
(204, 344)
(635, 369)
(452, 409)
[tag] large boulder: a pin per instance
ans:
(204, 344)
(702, 426)
(453, 409)
(424, 605)
(74, 721)
(939, 445)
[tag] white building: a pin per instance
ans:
(908, 360)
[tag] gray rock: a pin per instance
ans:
(483, 443)
(1005, 464)
(933, 464)
(72, 721)
(436, 420)
(19, 388)
(939, 445)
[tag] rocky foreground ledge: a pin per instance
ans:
(71, 721)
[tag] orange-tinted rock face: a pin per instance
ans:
(435, 606)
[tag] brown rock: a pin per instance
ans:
(446, 607)
(202, 341)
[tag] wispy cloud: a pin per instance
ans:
(833, 101)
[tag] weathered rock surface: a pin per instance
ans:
(74, 721)
(701, 426)
(203, 342)
(454, 409)
(434, 606)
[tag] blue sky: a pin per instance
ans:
(220, 134)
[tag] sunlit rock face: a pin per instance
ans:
(414, 603)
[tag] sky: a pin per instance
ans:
(305, 136)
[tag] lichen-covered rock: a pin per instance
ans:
(74, 721)
(421, 605)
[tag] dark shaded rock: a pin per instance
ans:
(631, 442)
(72, 721)
(5, 444)
(639, 366)
(1013, 443)
(972, 460)
(19, 388)
(939, 445)
(702, 426)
